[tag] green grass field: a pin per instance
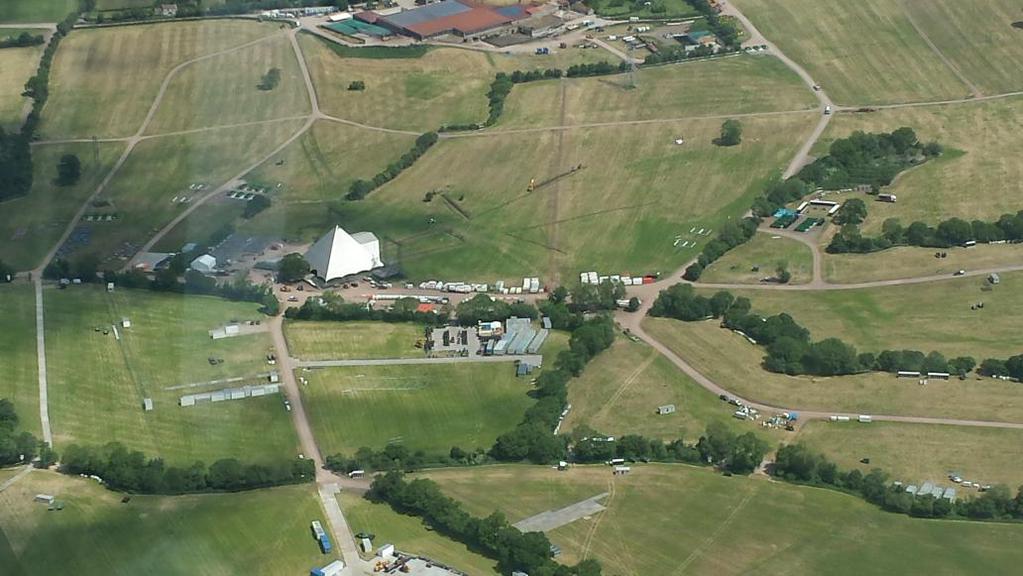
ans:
(408, 534)
(726, 86)
(223, 90)
(423, 407)
(861, 52)
(991, 45)
(931, 316)
(637, 187)
(18, 353)
(97, 383)
(316, 172)
(17, 65)
(258, 532)
(917, 453)
(694, 520)
(766, 253)
(44, 214)
(620, 390)
(975, 178)
(104, 80)
(732, 362)
(163, 168)
(36, 10)
(906, 262)
(352, 340)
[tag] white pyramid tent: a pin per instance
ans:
(338, 254)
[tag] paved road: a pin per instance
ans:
(21, 474)
(533, 359)
(551, 519)
(44, 405)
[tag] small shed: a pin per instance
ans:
(666, 409)
(125, 323)
(366, 545)
(274, 377)
(44, 498)
(110, 286)
(385, 551)
(147, 404)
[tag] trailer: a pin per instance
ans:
(335, 568)
(865, 419)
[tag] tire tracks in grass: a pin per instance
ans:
(627, 384)
(710, 540)
(588, 541)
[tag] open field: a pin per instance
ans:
(620, 390)
(917, 453)
(258, 532)
(637, 187)
(931, 316)
(993, 48)
(104, 80)
(161, 169)
(766, 253)
(44, 214)
(732, 362)
(352, 340)
(861, 52)
(694, 520)
(408, 534)
(977, 177)
(423, 407)
(36, 10)
(316, 173)
(17, 65)
(731, 85)
(18, 353)
(224, 90)
(906, 261)
(97, 382)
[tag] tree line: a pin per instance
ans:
(677, 54)
(868, 158)
(360, 188)
(790, 350)
(131, 471)
(18, 447)
(22, 40)
(1011, 367)
(333, 307)
(797, 463)
(948, 233)
(493, 536)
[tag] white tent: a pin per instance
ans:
(338, 254)
(205, 264)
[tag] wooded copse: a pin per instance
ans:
(948, 233)
(868, 158)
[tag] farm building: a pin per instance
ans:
(459, 17)
(204, 264)
(338, 254)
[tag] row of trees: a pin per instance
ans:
(732, 234)
(22, 40)
(736, 453)
(360, 188)
(797, 463)
(333, 307)
(677, 54)
(131, 471)
(1011, 367)
(602, 68)
(790, 349)
(948, 233)
(494, 536)
(868, 158)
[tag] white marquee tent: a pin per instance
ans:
(338, 254)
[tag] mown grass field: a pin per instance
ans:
(861, 52)
(408, 534)
(224, 90)
(917, 453)
(978, 37)
(906, 262)
(18, 353)
(732, 85)
(423, 407)
(766, 252)
(977, 177)
(33, 223)
(620, 213)
(36, 11)
(930, 316)
(620, 390)
(316, 173)
(97, 383)
(17, 65)
(160, 169)
(732, 362)
(310, 340)
(104, 80)
(694, 520)
(258, 532)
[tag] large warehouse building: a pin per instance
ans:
(339, 254)
(459, 17)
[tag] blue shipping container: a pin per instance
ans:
(325, 544)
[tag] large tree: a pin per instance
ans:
(293, 268)
(731, 133)
(69, 170)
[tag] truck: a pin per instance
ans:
(333, 569)
(321, 537)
